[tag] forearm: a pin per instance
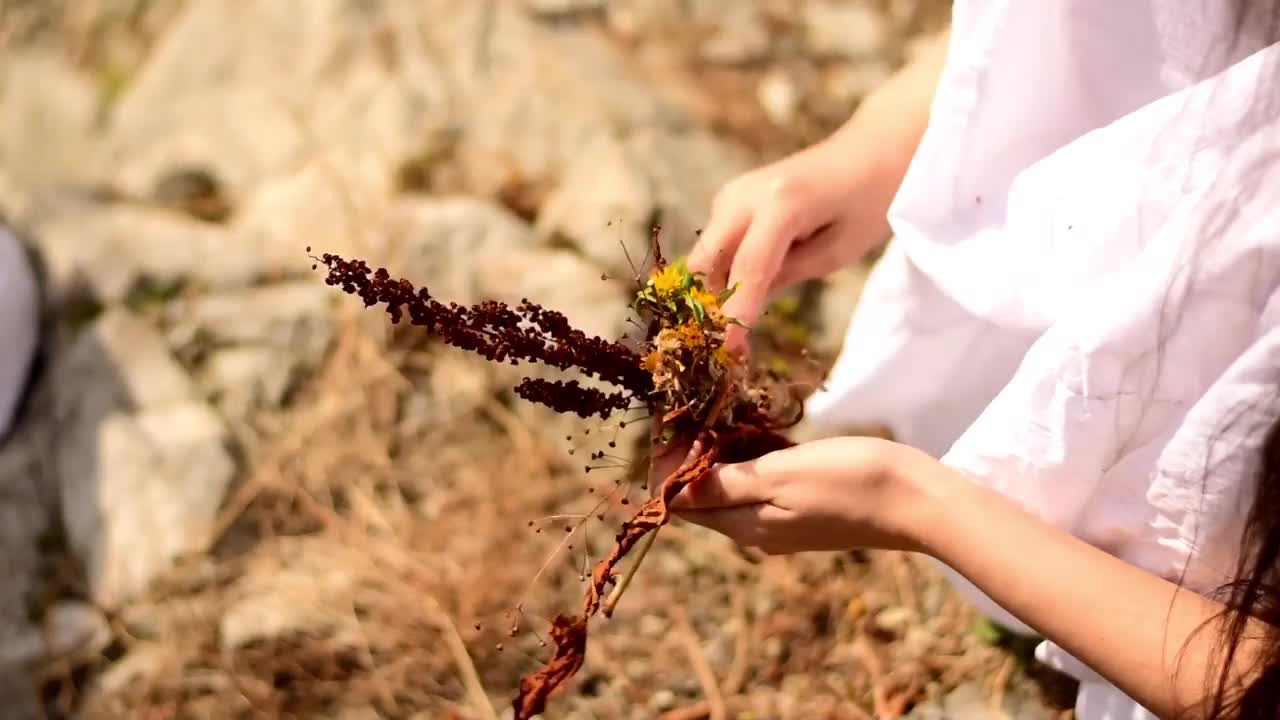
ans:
(896, 113)
(882, 135)
(1139, 631)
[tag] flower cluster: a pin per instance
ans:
(572, 397)
(529, 333)
(682, 374)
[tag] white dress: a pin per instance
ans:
(18, 325)
(1079, 308)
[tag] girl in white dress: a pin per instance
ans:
(1075, 335)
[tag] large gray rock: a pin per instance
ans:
(250, 347)
(67, 630)
(618, 184)
(142, 462)
(740, 36)
(109, 250)
(252, 90)
(328, 205)
(467, 250)
(23, 519)
(304, 110)
(529, 96)
(847, 30)
(48, 111)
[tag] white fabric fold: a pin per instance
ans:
(1080, 305)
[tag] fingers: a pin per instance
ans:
(817, 255)
(749, 525)
(739, 523)
(714, 251)
(755, 265)
(726, 486)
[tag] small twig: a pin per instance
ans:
(701, 667)
(904, 583)
(858, 712)
(696, 711)
(611, 602)
(741, 647)
(391, 552)
(875, 669)
(1000, 685)
(379, 682)
(900, 700)
(615, 595)
(694, 452)
(462, 659)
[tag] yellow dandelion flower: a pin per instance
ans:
(706, 298)
(653, 361)
(710, 305)
(668, 340)
(667, 281)
(690, 335)
(721, 356)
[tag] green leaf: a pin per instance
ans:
(728, 293)
(987, 632)
(699, 313)
(786, 306)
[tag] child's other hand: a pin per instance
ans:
(833, 494)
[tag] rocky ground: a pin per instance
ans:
(234, 494)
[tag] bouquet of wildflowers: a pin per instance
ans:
(698, 393)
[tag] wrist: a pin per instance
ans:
(930, 496)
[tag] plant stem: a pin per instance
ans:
(637, 557)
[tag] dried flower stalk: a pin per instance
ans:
(684, 375)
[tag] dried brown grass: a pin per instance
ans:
(393, 553)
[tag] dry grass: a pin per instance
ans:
(389, 556)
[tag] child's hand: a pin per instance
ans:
(823, 207)
(831, 494)
(797, 219)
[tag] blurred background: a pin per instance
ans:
(232, 492)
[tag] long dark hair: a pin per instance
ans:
(1255, 593)
(1246, 685)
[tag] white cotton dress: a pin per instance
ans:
(18, 325)
(1079, 308)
